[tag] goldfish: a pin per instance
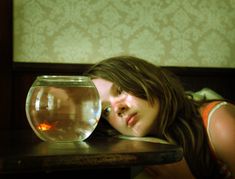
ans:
(44, 127)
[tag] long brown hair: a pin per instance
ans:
(179, 120)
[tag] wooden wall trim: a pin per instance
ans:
(49, 67)
(73, 68)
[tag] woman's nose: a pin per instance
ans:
(120, 110)
(119, 105)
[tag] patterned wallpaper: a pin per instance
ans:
(197, 33)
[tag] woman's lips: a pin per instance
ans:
(131, 120)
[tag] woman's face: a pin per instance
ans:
(128, 114)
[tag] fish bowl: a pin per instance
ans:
(63, 108)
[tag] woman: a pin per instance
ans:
(141, 99)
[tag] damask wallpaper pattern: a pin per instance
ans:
(197, 33)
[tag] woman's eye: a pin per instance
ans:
(106, 111)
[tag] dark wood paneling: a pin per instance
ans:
(219, 79)
(5, 62)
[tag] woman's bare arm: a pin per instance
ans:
(222, 132)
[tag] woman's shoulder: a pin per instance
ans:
(222, 123)
(221, 109)
(208, 108)
(218, 117)
(222, 134)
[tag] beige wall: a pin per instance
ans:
(165, 32)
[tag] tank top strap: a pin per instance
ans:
(206, 111)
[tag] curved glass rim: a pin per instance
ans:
(63, 76)
(61, 80)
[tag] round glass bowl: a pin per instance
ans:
(63, 108)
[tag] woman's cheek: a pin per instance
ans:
(115, 123)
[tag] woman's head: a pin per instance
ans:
(155, 90)
(129, 114)
(155, 97)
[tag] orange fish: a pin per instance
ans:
(44, 127)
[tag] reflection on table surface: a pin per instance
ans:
(22, 151)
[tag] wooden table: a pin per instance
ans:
(21, 152)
